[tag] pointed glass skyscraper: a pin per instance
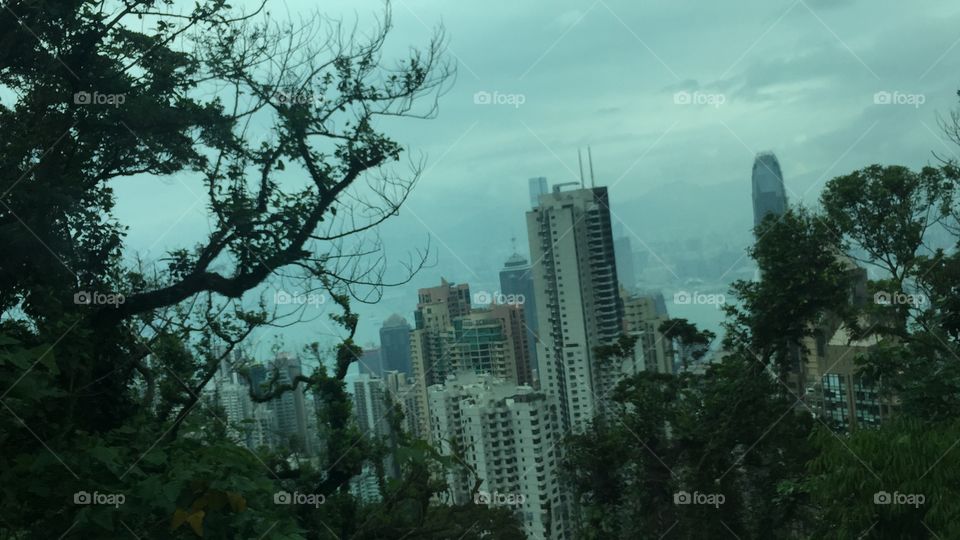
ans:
(769, 196)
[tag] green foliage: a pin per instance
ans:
(803, 281)
(106, 401)
(899, 481)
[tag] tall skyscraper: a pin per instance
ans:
(516, 280)
(578, 301)
(538, 186)
(769, 196)
(395, 345)
(509, 436)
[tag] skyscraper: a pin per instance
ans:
(516, 280)
(769, 196)
(538, 186)
(579, 308)
(395, 345)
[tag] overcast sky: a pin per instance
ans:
(796, 77)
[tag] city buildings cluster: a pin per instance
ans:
(496, 379)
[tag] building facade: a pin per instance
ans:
(509, 436)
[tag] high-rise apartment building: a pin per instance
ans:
(516, 282)
(509, 436)
(769, 195)
(578, 301)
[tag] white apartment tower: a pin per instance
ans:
(509, 436)
(578, 304)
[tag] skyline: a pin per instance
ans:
(784, 61)
(385, 269)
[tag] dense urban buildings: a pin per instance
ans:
(452, 336)
(578, 301)
(509, 436)
(430, 360)
(287, 422)
(769, 195)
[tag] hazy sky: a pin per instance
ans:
(796, 77)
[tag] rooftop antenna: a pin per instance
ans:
(593, 184)
(513, 243)
(580, 161)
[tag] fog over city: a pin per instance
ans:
(798, 78)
